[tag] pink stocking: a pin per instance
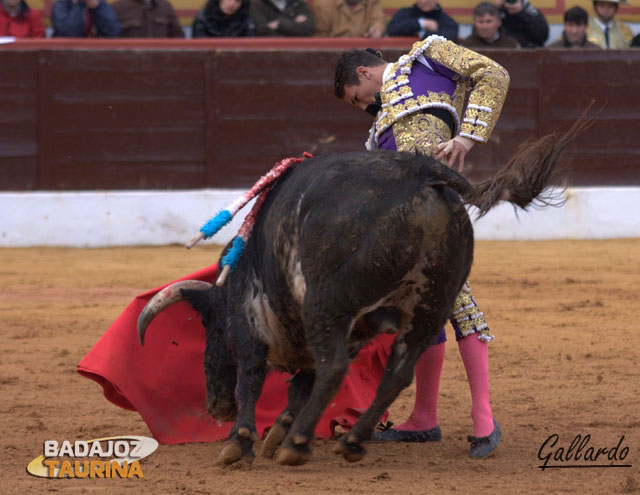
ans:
(425, 408)
(475, 356)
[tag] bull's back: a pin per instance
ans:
(356, 222)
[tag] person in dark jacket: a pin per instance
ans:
(487, 29)
(20, 21)
(282, 18)
(425, 18)
(147, 19)
(524, 22)
(223, 18)
(635, 42)
(574, 35)
(78, 19)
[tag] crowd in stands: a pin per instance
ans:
(498, 24)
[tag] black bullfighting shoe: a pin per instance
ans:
(482, 447)
(391, 435)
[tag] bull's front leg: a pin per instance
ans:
(251, 373)
(298, 393)
(398, 375)
(327, 340)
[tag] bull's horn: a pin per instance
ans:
(163, 299)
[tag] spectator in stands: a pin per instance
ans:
(604, 30)
(524, 22)
(355, 18)
(147, 19)
(575, 31)
(20, 21)
(487, 29)
(224, 18)
(82, 18)
(425, 18)
(635, 42)
(282, 17)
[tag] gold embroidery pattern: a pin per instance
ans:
(394, 113)
(401, 93)
(488, 80)
(468, 318)
(458, 97)
(400, 80)
(420, 132)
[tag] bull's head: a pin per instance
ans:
(219, 367)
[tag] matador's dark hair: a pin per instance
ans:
(348, 62)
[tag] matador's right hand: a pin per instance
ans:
(455, 150)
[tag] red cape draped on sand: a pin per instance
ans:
(164, 380)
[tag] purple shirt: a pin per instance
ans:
(422, 81)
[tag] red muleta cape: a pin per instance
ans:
(164, 380)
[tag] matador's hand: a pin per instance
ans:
(454, 149)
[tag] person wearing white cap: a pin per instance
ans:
(604, 30)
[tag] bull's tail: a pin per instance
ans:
(523, 179)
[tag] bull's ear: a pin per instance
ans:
(199, 299)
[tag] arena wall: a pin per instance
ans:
(212, 114)
(127, 218)
(183, 126)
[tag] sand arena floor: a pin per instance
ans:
(565, 361)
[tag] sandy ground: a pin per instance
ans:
(565, 361)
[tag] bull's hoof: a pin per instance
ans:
(272, 442)
(236, 450)
(294, 455)
(351, 451)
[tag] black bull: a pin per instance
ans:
(345, 247)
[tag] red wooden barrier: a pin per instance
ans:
(121, 114)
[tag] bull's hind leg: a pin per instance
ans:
(252, 371)
(299, 391)
(398, 375)
(327, 341)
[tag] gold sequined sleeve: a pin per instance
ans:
(489, 82)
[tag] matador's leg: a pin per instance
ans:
(422, 424)
(421, 133)
(472, 334)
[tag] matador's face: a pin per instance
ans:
(363, 94)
